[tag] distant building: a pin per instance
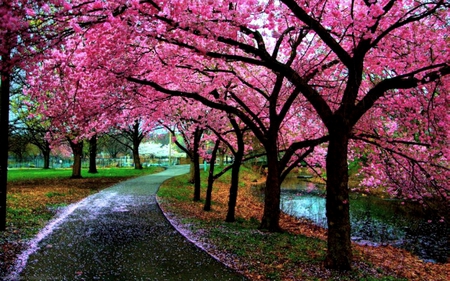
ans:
(158, 154)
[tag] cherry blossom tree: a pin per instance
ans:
(407, 140)
(26, 28)
(190, 120)
(217, 127)
(60, 94)
(233, 138)
(256, 101)
(168, 53)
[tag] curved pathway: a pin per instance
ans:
(118, 234)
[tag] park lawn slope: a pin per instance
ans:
(295, 254)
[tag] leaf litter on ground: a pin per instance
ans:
(264, 262)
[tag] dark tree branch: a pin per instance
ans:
(290, 151)
(299, 159)
(324, 34)
(216, 105)
(368, 136)
(413, 18)
(409, 158)
(405, 81)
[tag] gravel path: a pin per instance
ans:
(118, 234)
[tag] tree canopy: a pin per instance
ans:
(323, 82)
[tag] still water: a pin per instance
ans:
(375, 221)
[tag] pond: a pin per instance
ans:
(375, 221)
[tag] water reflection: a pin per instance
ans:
(305, 206)
(374, 221)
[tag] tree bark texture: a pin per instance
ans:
(192, 170)
(46, 154)
(77, 150)
(207, 206)
(234, 185)
(196, 160)
(93, 155)
(137, 139)
(136, 158)
(271, 214)
(339, 255)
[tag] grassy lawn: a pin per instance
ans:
(34, 174)
(35, 195)
(295, 254)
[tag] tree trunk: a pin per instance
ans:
(339, 255)
(93, 155)
(136, 158)
(196, 178)
(191, 170)
(211, 179)
(271, 216)
(4, 133)
(137, 137)
(77, 150)
(196, 163)
(234, 185)
(196, 159)
(46, 154)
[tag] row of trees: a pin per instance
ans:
(31, 126)
(28, 146)
(318, 82)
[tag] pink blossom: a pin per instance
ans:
(67, 6)
(30, 12)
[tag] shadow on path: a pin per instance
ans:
(118, 234)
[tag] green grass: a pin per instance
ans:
(267, 253)
(33, 174)
(179, 189)
(27, 221)
(53, 194)
(244, 240)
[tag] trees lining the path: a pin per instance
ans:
(362, 77)
(344, 60)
